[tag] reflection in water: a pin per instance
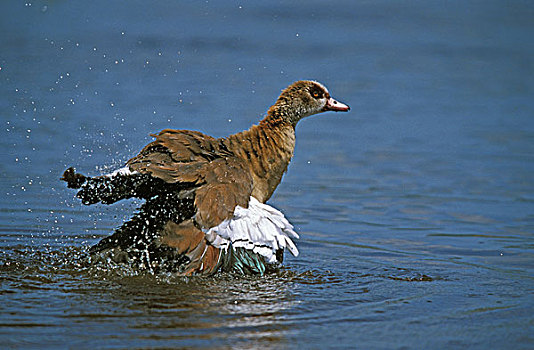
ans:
(224, 308)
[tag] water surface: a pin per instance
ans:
(415, 210)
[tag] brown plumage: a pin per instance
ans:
(193, 182)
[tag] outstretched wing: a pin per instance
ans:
(197, 161)
(177, 156)
(202, 184)
(199, 213)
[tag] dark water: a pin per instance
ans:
(415, 210)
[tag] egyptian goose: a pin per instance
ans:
(205, 198)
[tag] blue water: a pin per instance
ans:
(415, 210)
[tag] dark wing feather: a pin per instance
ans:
(222, 181)
(177, 156)
(202, 183)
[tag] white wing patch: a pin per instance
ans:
(260, 228)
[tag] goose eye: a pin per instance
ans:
(316, 94)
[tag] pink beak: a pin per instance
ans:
(336, 106)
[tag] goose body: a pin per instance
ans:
(205, 197)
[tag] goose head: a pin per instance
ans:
(304, 98)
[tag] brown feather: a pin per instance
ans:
(187, 239)
(275, 143)
(183, 236)
(219, 174)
